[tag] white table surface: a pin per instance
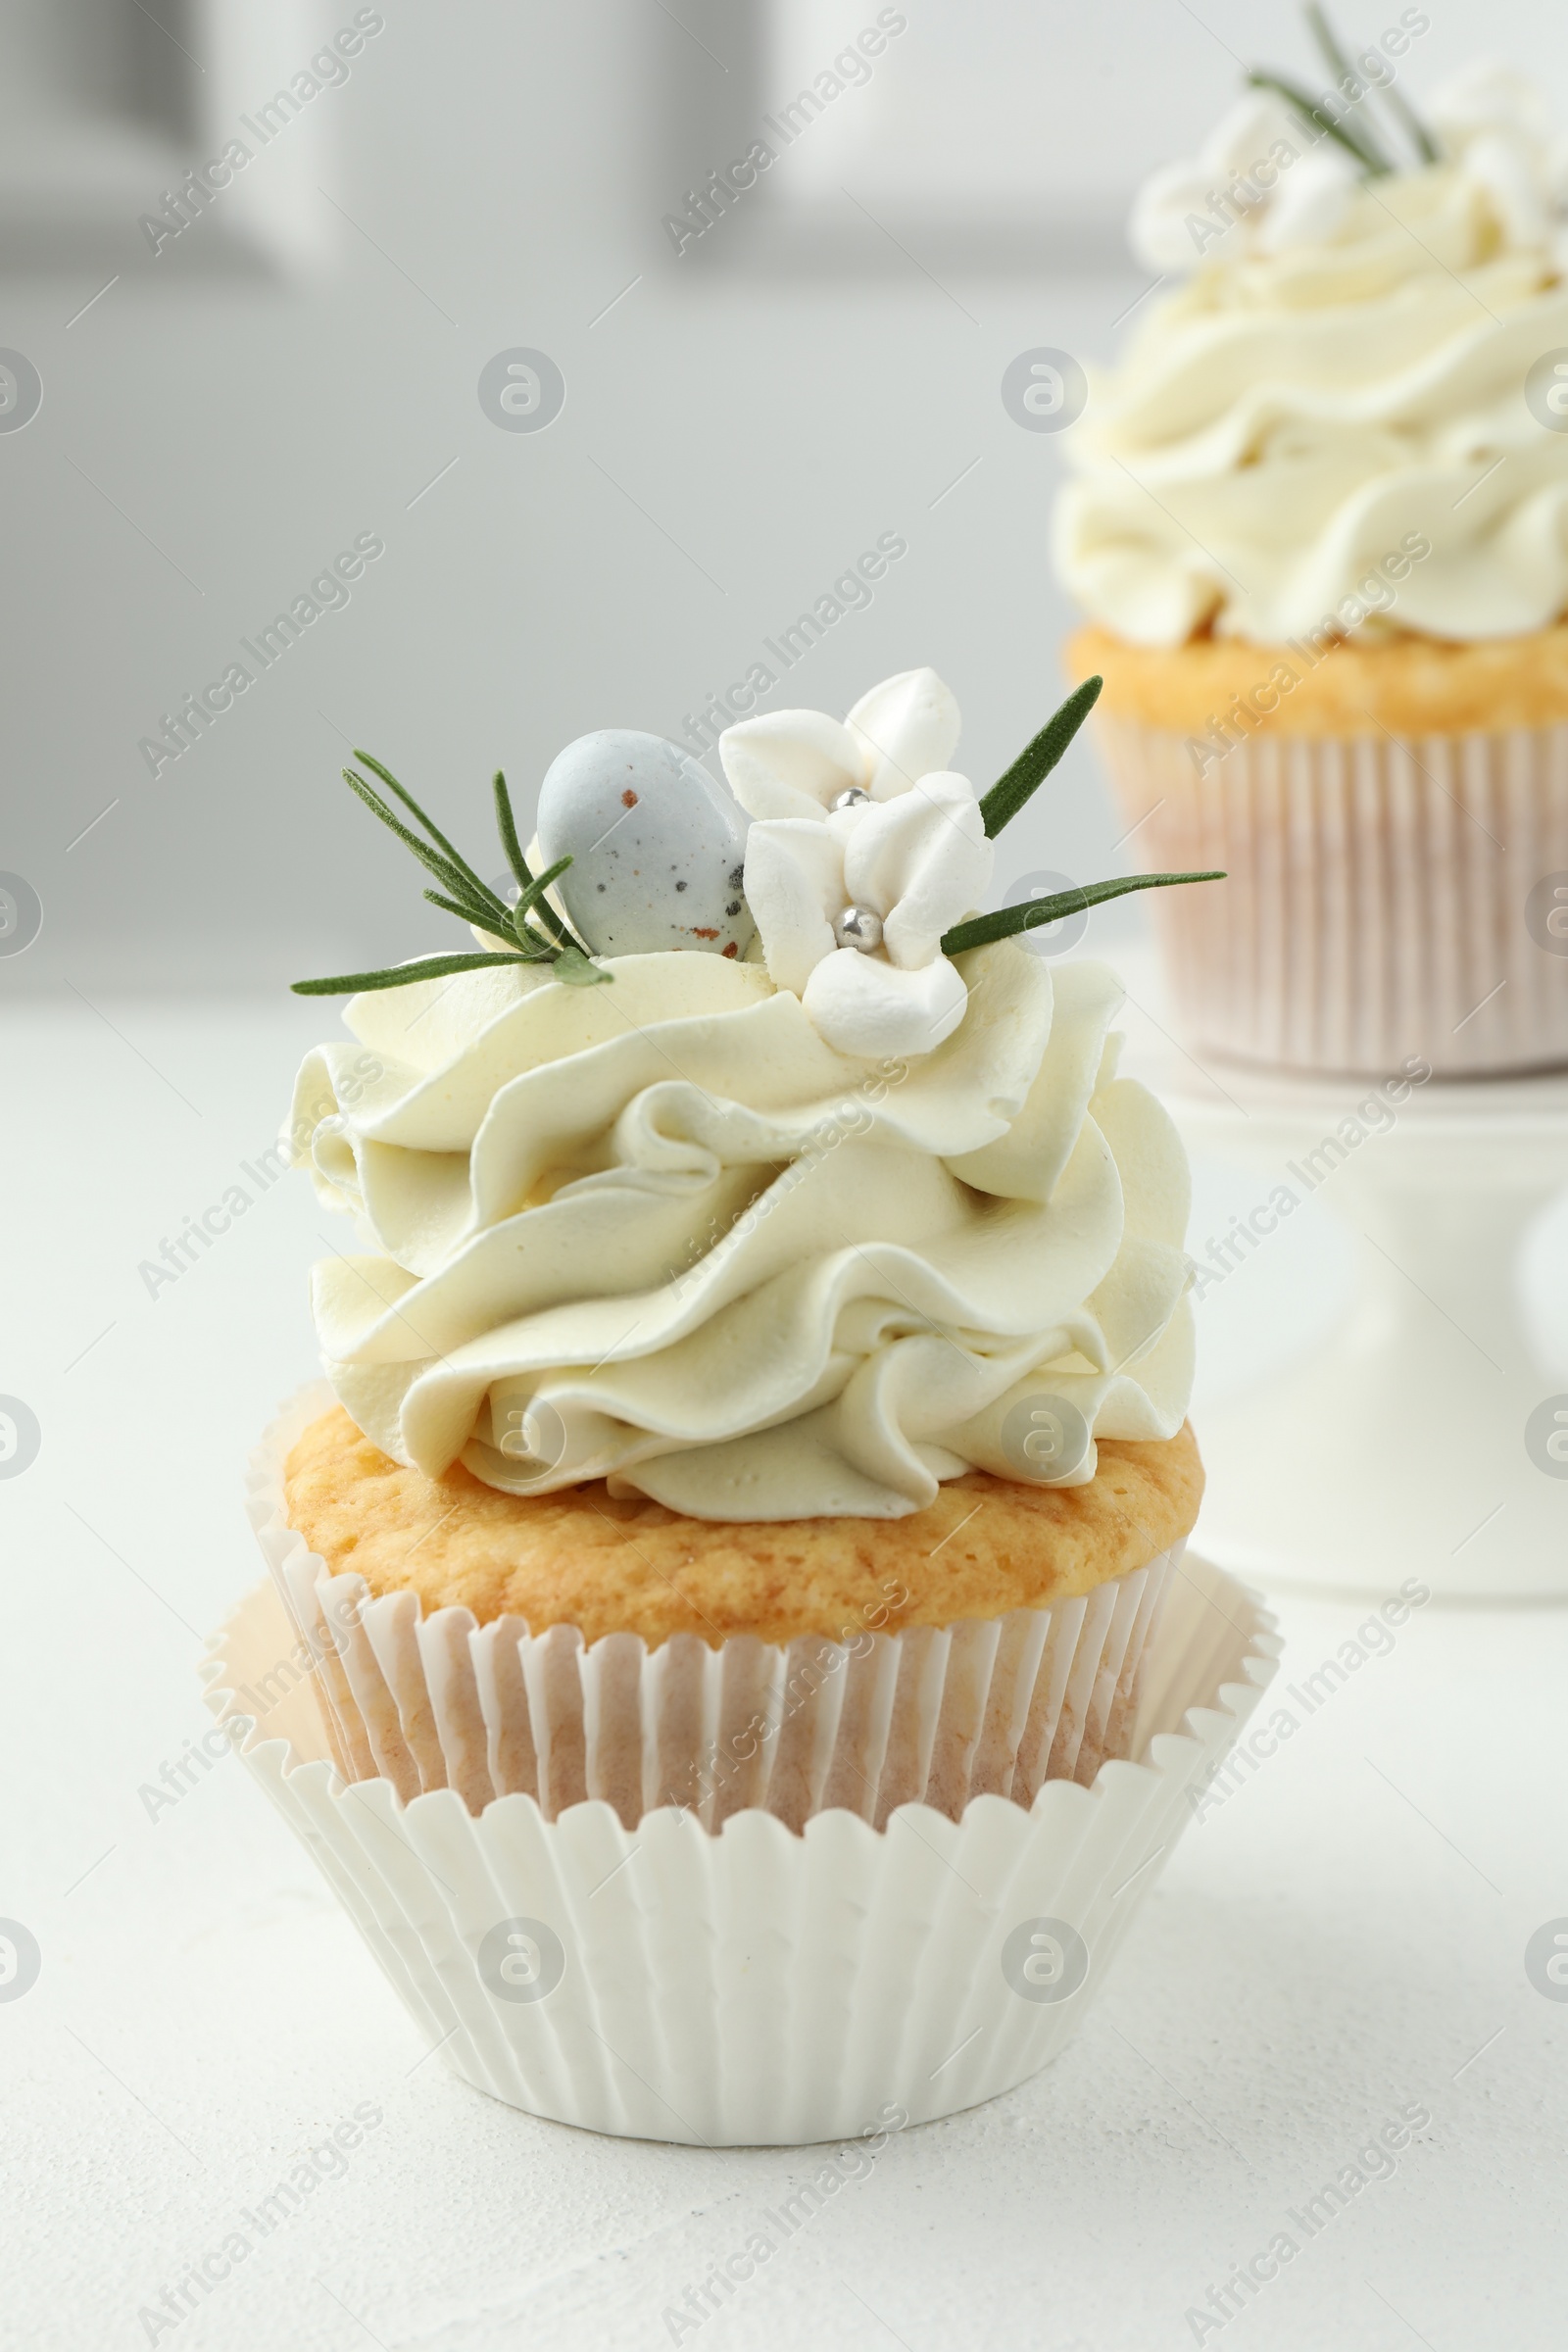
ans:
(1341, 1938)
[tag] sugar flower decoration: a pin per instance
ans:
(1497, 128)
(864, 862)
(865, 848)
(1258, 184)
(1283, 169)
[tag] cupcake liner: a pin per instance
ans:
(931, 1715)
(1376, 901)
(754, 1986)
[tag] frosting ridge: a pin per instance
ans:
(670, 1232)
(1335, 384)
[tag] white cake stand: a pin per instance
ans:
(1398, 1447)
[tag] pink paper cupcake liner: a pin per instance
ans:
(1375, 906)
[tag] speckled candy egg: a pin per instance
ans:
(657, 847)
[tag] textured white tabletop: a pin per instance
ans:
(1336, 1946)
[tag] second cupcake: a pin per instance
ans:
(1321, 525)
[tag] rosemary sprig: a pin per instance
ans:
(1361, 142)
(1032, 914)
(533, 900)
(1328, 40)
(1000, 805)
(450, 906)
(470, 899)
(441, 868)
(1340, 66)
(1415, 131)
(574, 967)
(1035, 762)
(403, 975)
(1425, 145)
(1373, 164)
(476, 883)
(533, 893)
(537, 950)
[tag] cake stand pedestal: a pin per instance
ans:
(1414, 1441)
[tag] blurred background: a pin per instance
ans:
(299, 365)
(237, 388)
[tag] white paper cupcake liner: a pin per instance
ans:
(734, 1981)
(1376, 901)
(755, 1986)
(931, 1715)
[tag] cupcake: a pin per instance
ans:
(755, 1428)
(1319, 522)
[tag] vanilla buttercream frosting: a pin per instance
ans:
(671, 1233)
(1328, 423)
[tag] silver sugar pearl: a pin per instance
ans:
(854, 797)
(859, 927)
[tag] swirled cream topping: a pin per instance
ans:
(1335, 422)
(667, 1233)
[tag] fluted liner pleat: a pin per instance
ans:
(1375, 906)
(753, 1986)
(933, 1715)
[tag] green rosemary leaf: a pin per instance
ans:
(533, 900)
(576, 969)
(1415, 131)
(1339, 65)
(1327, 39)
(403, 975)
(533, 945)
(456, 857)
(507, 826)
(1398, 106)
(453, 878)
(466, 910)
(471, 899)
(1035, 762)
(1366, 154)
(1031, 913)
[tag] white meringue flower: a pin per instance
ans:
(1515, 185)
(912, 853)
(1495, 128)
(795, 762)
(1485, 98)
(1260, 180)
(1308, 202)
